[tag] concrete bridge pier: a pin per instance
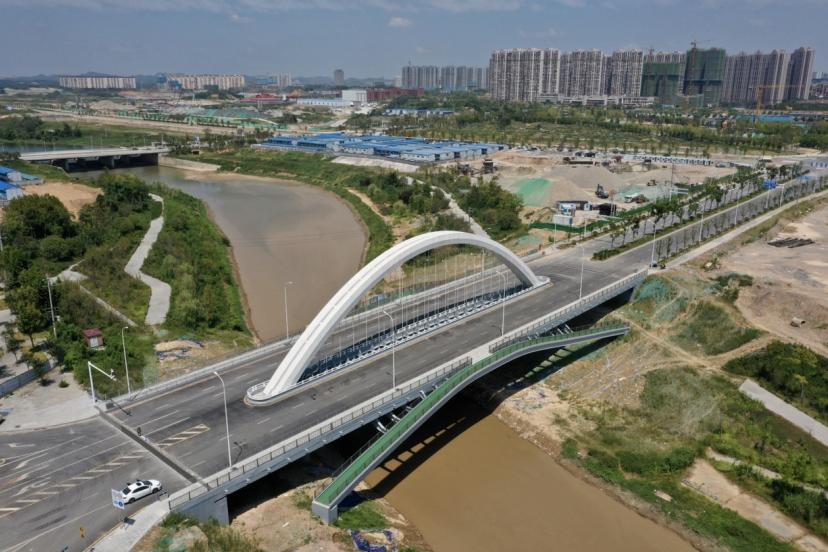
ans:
(328, 514)
(212, 508)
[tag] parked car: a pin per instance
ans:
(140, 489)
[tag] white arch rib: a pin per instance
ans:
(303, 351)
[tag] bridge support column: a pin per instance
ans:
(109, 162)
(328, 514)
(210, 509)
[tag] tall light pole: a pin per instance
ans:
(126, 366)
(287, 327)
(652, 256)
(110, 375)
(393, 350)
(226, 421)
(503, 300)
(51, 306)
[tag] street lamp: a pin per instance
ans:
(652, 256)
(287, 327)
(110, 375)
(126, 366)
(393, 350)
(226, 421)
(503, 300)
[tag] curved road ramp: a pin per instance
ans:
(326, 503)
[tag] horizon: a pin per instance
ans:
(254, 37)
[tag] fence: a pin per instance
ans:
(314, 433)
(569, 311)
(20, 380)
(377, 449)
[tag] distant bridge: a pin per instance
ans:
(81, 159)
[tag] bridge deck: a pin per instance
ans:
(326, 503)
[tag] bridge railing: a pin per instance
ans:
(379, 447)
(556, 317)
(313, 433)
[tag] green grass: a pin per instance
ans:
(219, 537)
(365, 515)
(712, 330)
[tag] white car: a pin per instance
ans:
(140, 489)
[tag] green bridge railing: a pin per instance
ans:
(379, 448)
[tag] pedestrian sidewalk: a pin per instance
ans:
(159, 303)
(125, 536)
(35, 406)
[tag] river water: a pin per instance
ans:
(465, 480)
(280, 231)
(469, 482)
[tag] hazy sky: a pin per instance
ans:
(375, 37)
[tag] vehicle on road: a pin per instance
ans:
(140, 489)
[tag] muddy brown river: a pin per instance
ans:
(469, 482)
(280, 231)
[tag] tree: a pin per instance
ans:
(30, 317)
(12, 343)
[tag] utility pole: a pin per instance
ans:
(126, 367)
(51, 306)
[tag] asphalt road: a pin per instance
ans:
(54, 482)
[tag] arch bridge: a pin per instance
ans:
(306, 348)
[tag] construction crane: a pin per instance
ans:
(760, 89)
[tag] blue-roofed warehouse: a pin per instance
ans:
(395, 147)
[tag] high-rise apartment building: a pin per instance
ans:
(704, 74)
(200, 82)
(97, 82)
(524, 74)
(339, 77)
(800, 73)
(758, 75)
(580, 73)
(662, 76)
(623, 73)
(448, 78)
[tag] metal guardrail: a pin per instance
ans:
(558, 316)
(315, 432)
(378, 448)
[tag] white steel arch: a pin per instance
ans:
(300, 355)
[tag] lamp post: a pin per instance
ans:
(652, 256)
(287, 327)
(393, 350)
(503, 300)
(110, 375)
(51, 306)
(126, 366)
(226, 421)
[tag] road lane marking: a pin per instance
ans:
(217, 395)
(277, 427)
(183, 435)
(263, 421)
(297, 406)
(168, 426)
(56, 527)
(148, 422)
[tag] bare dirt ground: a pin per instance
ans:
(374, 162)
(789, 282)
(399, 229)
(73, 196)
(704, 478)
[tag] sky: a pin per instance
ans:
(375, 38)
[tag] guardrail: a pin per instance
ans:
(376, 450)
(315, 432)
(557, 317)
(219, 366)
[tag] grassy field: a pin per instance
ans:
(710, 330)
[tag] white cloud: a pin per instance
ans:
(399, 22)
(461, 6)
(421, 50)
(545, 33)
